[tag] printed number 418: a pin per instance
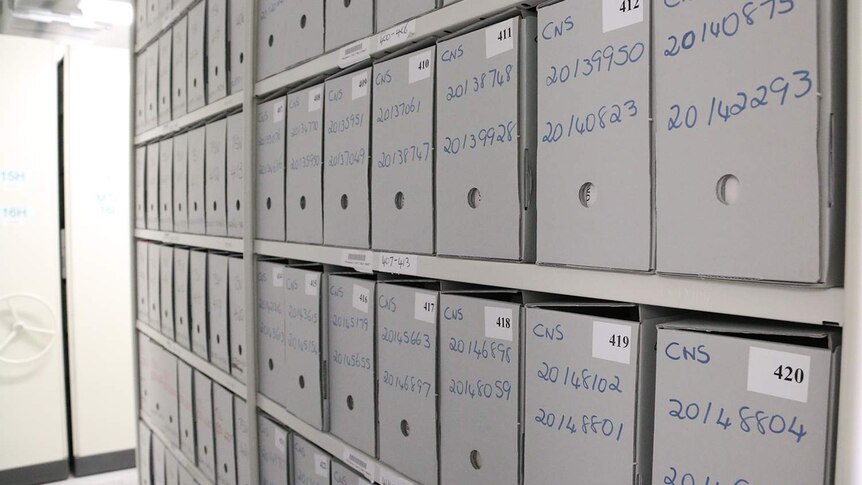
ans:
(629, 5)
(504, 322)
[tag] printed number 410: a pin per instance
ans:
(629, 5)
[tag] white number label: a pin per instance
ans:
(312, 283)
(361, 295)
(398, 263)
(612, 341)
(420, 67)
(617, 14)
(278, 111)
(499, 38)
(321, 465)
(280, 440)
(779, 374)
(360, 85)
(278, 277)
(425, 308)
(498, 323)
(315, 99)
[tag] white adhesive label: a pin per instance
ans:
(612, 341)
(278, 111)
(353, 53)
(358, 260)
(425, 308)
(359, 463)
(499, 38)
(312, 283)
(14, 215)
(498, 323)
(359, 85)
(779, 374)
(321, 465)
(389, 478)
(361, 295)
(281, 440)
(398, 263)
(396, 35)
(617, 14)
(278, 277)
(420, 67)
(315, 99)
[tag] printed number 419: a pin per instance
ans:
(629, 5)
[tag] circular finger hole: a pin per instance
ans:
(474, 197)
(199, 328)
(270, 40)
(405, 427)
(241, 57)
(180, 206)
(157, 406)
(302, 202)
(179, 92)
(218, 338)
(346, 3)
(165, 207)
(163, 100)
(476, 459)
(170, 419)
(270, 364)
(216, 70)
(399, 200)
(166, 313)
(181, 320)
(206, 451)
(237, 204)
(239, 348)
(302, 382)
(350, 403)
(727, 189)
(344, 201)
(225, 467)
(154, 306)
(268, 203)
(187, 433)
(215, 205)
(587, 194)
(195, 82)
(196, 206)
(302, 21)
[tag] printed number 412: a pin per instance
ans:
(629, 5)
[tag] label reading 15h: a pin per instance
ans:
(499, 323)
(617, 14)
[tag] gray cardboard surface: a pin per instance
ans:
(240, 417)
(390, 12)
(140, 187)
(216, 178)
(402, 165)
(236, 42)
(348, 21)
(304, 30)
(179, 69)
(217, 308)
(234, 175)
(172, 473)
(196, 180)
(196, 50)
(181, 183)
(158, 463)
(225, 439)
(145, 469)
(198, 298)
(166, 290)
(352, 403)
(310, 463)
(272, 46)
(205, 434)
(217, 75)
(182, 302)
(154, 280)
(270, 331)
(140, 93)
(272, 446)
(342, 475)
(143, 283)
(166, 182)
(186, 410)
(151, 114)
(346, 149)
(236, 318)
(304, 186)
(152, 195)
(270, 169)
(164, 90)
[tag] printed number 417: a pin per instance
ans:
(629, 5)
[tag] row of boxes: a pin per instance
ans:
(194, 63)
(541, 389)
(202, 420)
(195, 298)
(441, 159)
(193, 181)
(288, 458)
(158, 464)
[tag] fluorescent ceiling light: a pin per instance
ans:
(111, 12)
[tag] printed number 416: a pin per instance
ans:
(629, 5)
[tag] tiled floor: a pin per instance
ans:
(123, 477)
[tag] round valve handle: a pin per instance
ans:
(20, 328)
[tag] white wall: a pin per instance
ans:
(98, 249)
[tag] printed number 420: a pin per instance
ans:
(790, 374)
(629, 5)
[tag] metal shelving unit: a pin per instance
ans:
(842, 306)
(181, 458)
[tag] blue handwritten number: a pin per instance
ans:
(806, 77)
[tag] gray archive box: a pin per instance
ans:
(196, 39)
(346, 149)
(166, 185)
(407, 377)
(196, 180)
(181, 183)
(186, 477)
(216, 178)
(240, 419)
(304, 30)
(236, 319)
(164, 90)
(272, 45)
(172, 469)
(342, 475)
(158, 461)
(750, 162)
(143, 283)
(182, 323)
(217, 308)
(166, 290)
(402, 165)
(390, 12)
(305, 335)
(151, 114)
(141, 187)
(186, 410)
(304, 185)
(153, 280)
(217, 75)
(145, 374)
(270, 331)
(347, 21)
(600, 187)
(765, 393)
(269, 209)
(272, 448)
(234, 175)
(168, 405)
(198, 299)
(164, 8)
(486, 160)
(153, 13)
(140, 93)
(205, 434)
(352, 406)
(178, 68)
(145, 469)
(480, 429)
(236, 41)
(225, 439)
(310, 463)
(152, 193)
(589, 375)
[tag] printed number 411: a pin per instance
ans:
(507, 33)
(629, 5)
